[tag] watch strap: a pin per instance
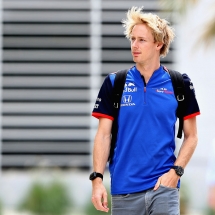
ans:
(179, 170)
(174, 167)
(95, 175)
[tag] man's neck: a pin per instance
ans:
(147, 70)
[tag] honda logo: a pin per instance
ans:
(127, 99)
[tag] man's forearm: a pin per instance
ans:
(101, 152)
(100, 156)
(189, 144)
(186, 151)
(170, 179)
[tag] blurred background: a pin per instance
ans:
(54, 57)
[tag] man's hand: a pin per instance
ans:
(211, 197)
(99, 196)
(169, 179)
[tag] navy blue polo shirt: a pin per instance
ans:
(146, 135)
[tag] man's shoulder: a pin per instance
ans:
(112, 75)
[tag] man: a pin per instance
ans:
(144, 170)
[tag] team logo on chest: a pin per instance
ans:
(130, 87)
(163, 90)
(127, 101)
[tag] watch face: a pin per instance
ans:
(92, 175)
(180, 171)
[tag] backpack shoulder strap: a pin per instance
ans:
(179, 90)
(118, 88)
(119, 83)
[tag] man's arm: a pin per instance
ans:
(189, 144)
(170, 179)
(101, 152)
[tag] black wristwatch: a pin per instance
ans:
(179, 170)
(95, 175)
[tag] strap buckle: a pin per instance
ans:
(116, 105)
(180, 98)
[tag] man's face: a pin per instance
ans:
(143, 47)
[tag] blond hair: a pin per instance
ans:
(161, 30)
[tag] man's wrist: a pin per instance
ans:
(97, 181)
(179, 170)
(95, 175)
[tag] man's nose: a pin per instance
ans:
(134, 43)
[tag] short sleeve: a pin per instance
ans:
(192, 107)
(104, 102)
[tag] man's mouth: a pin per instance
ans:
(135, 53)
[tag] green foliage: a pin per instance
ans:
(178, 5)
(0, 207)
(51, 199)
(209, 211)
(208, 34)
(184, 198)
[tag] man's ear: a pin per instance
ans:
(159, 45)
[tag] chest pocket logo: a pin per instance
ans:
(163, 90)
(127, 99)
(130, 88)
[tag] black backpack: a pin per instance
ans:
(119, 82)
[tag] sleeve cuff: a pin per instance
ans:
(99, 115)
(191, 115)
